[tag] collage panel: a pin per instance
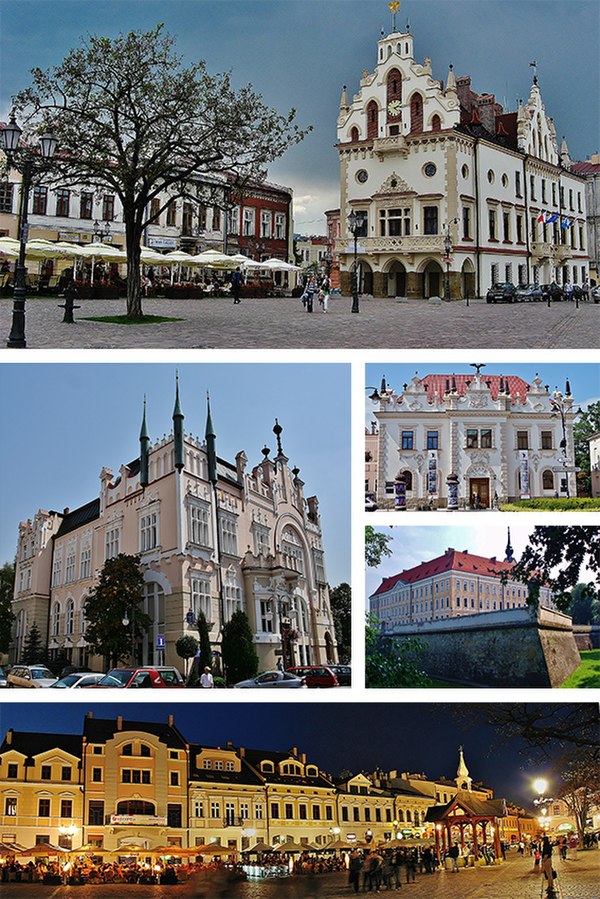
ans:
(281, 800)
(172, 559)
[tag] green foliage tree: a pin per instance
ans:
(556, 555)
(34, 651)
(7, 586)
(580, 791)
(118, 594)
(341, 609)
(587, 424)
(206, 654)
(133, 120)
(376, 546)
(584, 609)
(392, 663)
(186, 648)
(237, 646)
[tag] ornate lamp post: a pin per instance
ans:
(540, 785)
(355, 223)
(559, 410)
(126, 623)
(447, 251)
(9, 142)
(101, 230)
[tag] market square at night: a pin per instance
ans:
(306, 799)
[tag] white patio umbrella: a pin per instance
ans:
(9, 247)
(179, 258)
(214, 259)
(279, 265)
(148, 256)
(102, 251)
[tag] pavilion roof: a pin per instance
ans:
(477, 808)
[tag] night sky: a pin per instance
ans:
(411, 737)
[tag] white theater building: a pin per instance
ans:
(498, 437)
(420, 159)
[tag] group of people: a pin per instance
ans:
(322, 292)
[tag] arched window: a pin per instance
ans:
(136, 807)
(354, 135)
(291, 546)
(70, 617)
(154, 606)
(547, 480)
(55, 619)
(267, 767)
(416, 113)
(292, 768)
(408, 478)
(372, 120)
(436, 123)
(312, 771)
(394, 85)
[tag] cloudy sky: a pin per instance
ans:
(299, 53)
(89, 416)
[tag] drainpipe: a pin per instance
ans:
(527, 235)
(477, 231)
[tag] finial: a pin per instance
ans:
(533, 65)
(394, 6)
(265, 451)
(277, 429)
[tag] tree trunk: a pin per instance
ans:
(133, 234)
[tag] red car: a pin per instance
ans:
(316, 675)
(136, 678)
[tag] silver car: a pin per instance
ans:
(76, 680)
(273, 679)
(30, 676)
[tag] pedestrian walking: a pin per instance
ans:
(397, 869)
(236, 283)
(324, 294)
(453, 853)
(547, 865)
(568, 291)
(354, 868)
(411, 865)
(206, 680)
(309, 293)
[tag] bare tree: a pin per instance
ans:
(580, 791)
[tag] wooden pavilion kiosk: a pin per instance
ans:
(467, 818)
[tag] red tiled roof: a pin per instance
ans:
(457, 562)
(436, 385)
(585, 168)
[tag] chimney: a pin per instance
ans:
(9, 735)
(120, 722)
(171, 721)
(66, 510)
(90, 714)
(295, 752)
(303, 757)
(242, 752)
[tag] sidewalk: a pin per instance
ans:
(282, 323)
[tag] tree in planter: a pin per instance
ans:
(186, 648)
(119, 594)
(7, 584)
(33, 649)
(237, 646)
(133, 121)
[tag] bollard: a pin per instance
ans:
(70, 293)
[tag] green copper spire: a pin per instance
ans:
(179, 451)
(144, 449)
(211, 439)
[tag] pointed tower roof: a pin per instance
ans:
(344, 106)
(144, 449)
(463, 781)
(451, 81)
(179, 451)
(509, 550)
(565, 158)
(211, 439)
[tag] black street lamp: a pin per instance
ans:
(126, 623)
(355, 223)
(559, 409)
(10, 137)
(101, 231)
(447, 251)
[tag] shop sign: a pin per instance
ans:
(166, 242)
(139, 819)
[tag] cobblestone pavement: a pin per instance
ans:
(512, 880)
(282, 323)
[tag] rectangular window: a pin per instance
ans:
(198, 808)
(266, 223)
(10, 806)
(466, 223)
(62, 201)
(97, 775)
(532, 187)
(508, 273)
(202, 217)
(66, 773)
(522, 440)
(534, 230)
(215, 809)
(546, 440)
(289, 810)
(492, 224)
(248, 223)
(200, 596)
(233, 220)
(46, 772)
(407, 440)
(66, 808)
(430, 220)
(266, 617)
(472, 436)
(12, 771)
(228, 527)
(316, 812)
(112, 542)
(229, 813)
(171, 214)
(244, 811)
(367, 814)
(86, 205)
(216, 221)
(70, 567)
(506, 225)
(274, 810)
(279, 226)
(544, 190)
(518, 184)
(519, 222)
(329, 813)
(108, 207)
(174, 778)
(345, 816)
(356, 813)
(432, 440)
(40, 200)
(6, 197)
(44, 808)
(486, 439)
(148, 531)
(174, 817)
(154, 210)
(57, 572)
(303, 812)
(258, 812)
(85, 563)
(187, 222)
(199, 525)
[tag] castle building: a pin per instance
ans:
(212, 536)
(450, 586)
(125, 782)
(476, 439)
(445, 179)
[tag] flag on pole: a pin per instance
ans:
(552, 218)
(542, 217)
(566, 222)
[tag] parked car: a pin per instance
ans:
(554, 290)
(74, 669)
(76, 680)
(3, 679)
(502, 293)
(595, 293)
(140, 678)
(283, 679)
(529, 293)
(370, 502)
(30, 676)
(343, 674)
(315, 675)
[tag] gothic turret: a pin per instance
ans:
(451, 82)
(179, 452)
(463, 781)
(211, 449)
(144, 450)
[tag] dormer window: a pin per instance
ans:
(292, 768)
(312, 771)
(267, 767)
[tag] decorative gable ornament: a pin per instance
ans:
(394, 185)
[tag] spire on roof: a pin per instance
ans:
(344, 106)
(211, 451)
(178, 448)
(451, 81)
(144, 449)
(509, 550)
(463, 781)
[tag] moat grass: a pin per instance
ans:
(125, 320)
(588, 673)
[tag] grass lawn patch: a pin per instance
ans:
(549, 504)
(588, 673)
(124, 320)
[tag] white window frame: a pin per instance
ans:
(266, 223)
(232, 594)
(248, 221)
(70, 566)
(199, 530)
(228, 529)
(280, 225)
(233, 220)
(149, 529)
(261, 539)
(70, 617)
(112, 542)
(200, 595)
(57, 572)
(85, 562)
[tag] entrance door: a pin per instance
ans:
(479, 492)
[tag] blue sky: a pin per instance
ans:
(298, 53)
(66, 422)
(583, 378)
(333, 735)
